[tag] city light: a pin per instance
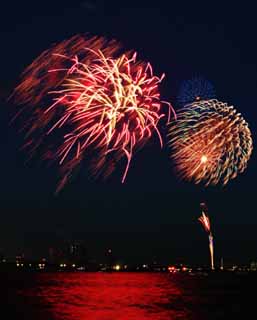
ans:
(172, 269)
(117, 267)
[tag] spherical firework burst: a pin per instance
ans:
(95, 100)
(196, 89)
(210, 142)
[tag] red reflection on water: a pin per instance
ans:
(104, 296)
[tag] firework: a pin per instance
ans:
(94, 100)
(39, 77)
(205, 221)
(195, 89)
(211, 142)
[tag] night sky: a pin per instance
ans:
(153, 215)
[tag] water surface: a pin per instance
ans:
(125, 296)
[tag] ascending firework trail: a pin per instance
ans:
(205, 221)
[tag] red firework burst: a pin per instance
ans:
(100, 101)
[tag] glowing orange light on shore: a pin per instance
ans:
(117, 267)
(171, 269)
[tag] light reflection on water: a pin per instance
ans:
(126, 296)
(104, 296)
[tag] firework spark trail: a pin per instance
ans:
(210, 142)
(211, 248)
(109, 104)
(205, 221)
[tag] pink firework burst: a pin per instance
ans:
(99, 101)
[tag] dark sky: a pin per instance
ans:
(153, 214)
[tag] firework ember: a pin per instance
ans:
(96, 100)
(210, 141)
